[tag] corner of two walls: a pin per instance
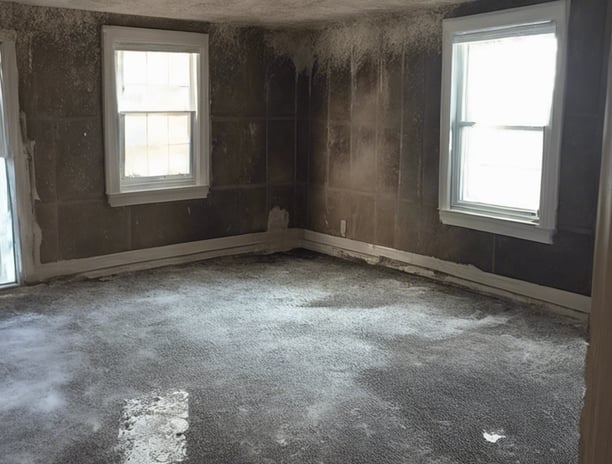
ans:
(368, 138)
(60, 80)
(328, 124)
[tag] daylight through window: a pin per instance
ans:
(501, 121)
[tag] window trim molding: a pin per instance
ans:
(542, 231)
(131, 38)
(24, 234)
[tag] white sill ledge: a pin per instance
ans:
(142, 197)
(8, 286)
(507, 227)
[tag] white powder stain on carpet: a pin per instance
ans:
(493, 437)
(153, 429)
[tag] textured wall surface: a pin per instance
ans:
(59, 60)
(372, 125)
(355, 136)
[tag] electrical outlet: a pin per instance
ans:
(343, 228)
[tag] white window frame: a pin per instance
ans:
(541, 228)
(17, 163)
(128, 38)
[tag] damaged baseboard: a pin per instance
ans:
(287, 239)
(463, 275)
(181, 253)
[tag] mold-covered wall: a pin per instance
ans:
(371, 128)
(253, 114)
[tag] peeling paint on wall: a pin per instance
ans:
(278, 219)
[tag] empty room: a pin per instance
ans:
(290, 231)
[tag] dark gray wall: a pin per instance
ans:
(372, 131)
(253, 156)
(355, 141)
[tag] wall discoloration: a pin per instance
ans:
(328, 123)
(358, 41)
(374, 117)
(60, 69)
(278, 219)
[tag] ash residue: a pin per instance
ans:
(226, 36)
(337, 44)
(56, 22)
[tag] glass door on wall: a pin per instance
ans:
(8, 274)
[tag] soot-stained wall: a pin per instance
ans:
(372, 127)
(60, 79)
(354, 136)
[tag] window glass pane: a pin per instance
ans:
(157, 157)
(179, 129)
(510, 81)
(155, 81)
(157, 144)
(178, 158)
(3, 141)
(501, 167)
(7, 248)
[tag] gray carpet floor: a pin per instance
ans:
(289, 358)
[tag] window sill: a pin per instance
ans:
(495, 225)
(142, 197)
(8, 286)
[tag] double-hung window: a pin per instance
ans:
(502, 91)
(156, 115)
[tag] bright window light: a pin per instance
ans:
(156, 115)
(7, 245)
(502, 85)
(507, 96)
(8, 271)
(156, 100)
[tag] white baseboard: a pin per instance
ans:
(459, 274)
(284, 240)
(98, 266)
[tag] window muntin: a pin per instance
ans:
(157, 115)
(503, 76)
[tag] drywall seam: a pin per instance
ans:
(463, 275)
(98, 266)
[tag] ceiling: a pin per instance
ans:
(269, 12)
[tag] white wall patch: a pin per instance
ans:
(153, 429)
